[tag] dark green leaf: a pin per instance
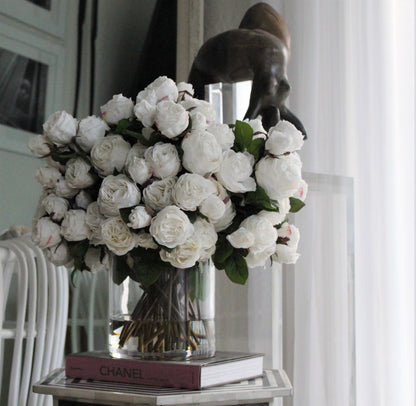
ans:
(63, 157)
(123, 124)
(223, 251)
(236, 269)
(243, 136)
(256, 148)
(121, 270)
(260, 199)
(78, 250)
(192, 215)
(295, 204)
(125, 213)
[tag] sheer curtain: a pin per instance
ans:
(352, 75)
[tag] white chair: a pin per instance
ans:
(37, 292)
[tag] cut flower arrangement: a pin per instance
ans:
(160, 184)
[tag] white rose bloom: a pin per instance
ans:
(78, 173)
(302, 192)
(277, 217)
(163, 160)
(147, 133)
(212, 207)
(94, 218)
(227, 218)
(241, 238)
(145, 112)
(171, 227)
(207, 237)
(284, 137)
(116, 109)
(59, 254)
(171, 119)
(94, 262)
(183, 256)
(202, 107)
(265, 236)
(46, 233)
(201, 152)
(137, 150)
(139, 170)
(110, 153)
(199, 121)
(290, 233)
(191, 190)
(117, 192)
(90, 130)
(185, 90)
(60, 128)
(74, 226)
(39, 145)
(285, 254)
(54, 164)
(158, 195)
(257, 126)
(235, 172)
(223, 134)
(139, 218)
(55, 206)
(83, 199)
(280, 177)
(145, 240)
(48, 177)
(163, 88)
(63, 189)
(117, 236)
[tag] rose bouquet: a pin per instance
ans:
(159, 184)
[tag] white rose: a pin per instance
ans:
(201, 152)
(139, 218)
(285, 254)
(90, 130)
(163, 160)
(223, 134)
(137, 150)
(60, 128)
(48, 177)
(117, 192)
(63, 189)
(207, 236)
(171, 119)
(145, 112)
(116, 109)
(257, 126)
(145, 240)
(277, 217)
(202, 107)
(139, 170)
(199, 121)
(94, 218)
(55, 206)
(110, 153)
(290, 234)
(158, 195)
(94, 260)
(235, 172)
(46, 233)
(39, 145)
(171, 227)
(280, 177)
(83, 199)
(191, 190)
(265, 236)
(117, 236)
(162, 88)
(212, 207)
(302, 192)
(74, 226)
(54, 164)
(59, 254)
(284, 137)
(185, 90)
(241, 238)
(183, 256)
(78, 174)
(227, 218)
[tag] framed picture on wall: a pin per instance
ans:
(31, 85)
(45, 15)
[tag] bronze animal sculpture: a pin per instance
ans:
(259, 51)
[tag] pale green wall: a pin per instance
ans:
(18, 188)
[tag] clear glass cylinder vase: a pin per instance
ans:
(173, 318)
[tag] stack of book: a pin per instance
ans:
(225, 367)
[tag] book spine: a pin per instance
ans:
(133, 371)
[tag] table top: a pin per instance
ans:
(273, 383)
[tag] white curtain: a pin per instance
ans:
(352, 75)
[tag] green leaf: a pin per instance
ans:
(243, 136)
(295, 204)
(63, 157)
(125, 213)
(192, 215)
(78, 250)
(236, 269)
(123, 124)
(223, 251)
(256, 148)
(121, 270)
(147, 266)
(260, 199)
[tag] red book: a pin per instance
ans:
(225, 367)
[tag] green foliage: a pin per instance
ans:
(78, 250)
(295, 204)
(236, 269)
(260, 199)
(120, 269)
(63, 156)
(244, 140)
(223, 251)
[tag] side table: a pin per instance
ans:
(76, 392)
